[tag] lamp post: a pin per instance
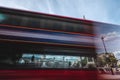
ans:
(106, 54)
(102, 38)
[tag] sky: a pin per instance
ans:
(107, 11)
(99, 10)
(111, 34)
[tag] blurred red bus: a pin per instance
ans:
(37, 46)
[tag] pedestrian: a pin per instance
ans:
(112, 71)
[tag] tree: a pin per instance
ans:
(113, 60)
(101, 61)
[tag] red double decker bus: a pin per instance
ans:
(37, 46)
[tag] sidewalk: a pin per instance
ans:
(109, 77)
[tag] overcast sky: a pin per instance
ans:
(98, 10)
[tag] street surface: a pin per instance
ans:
(109, 77)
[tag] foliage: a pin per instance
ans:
(113, 60)
(84, 61)
(103, 60)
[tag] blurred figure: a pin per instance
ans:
(32, 58)
(112, 70)
(69, 64)
(21, 61)
(44, 65)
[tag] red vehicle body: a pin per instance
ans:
(42, 40)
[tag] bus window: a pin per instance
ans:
(29, 60)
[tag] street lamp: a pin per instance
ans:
(106, 54)
(104, 44)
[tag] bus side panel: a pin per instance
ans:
(47, 75)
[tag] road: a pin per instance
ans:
(109, 77)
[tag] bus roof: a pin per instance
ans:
(37, 14)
